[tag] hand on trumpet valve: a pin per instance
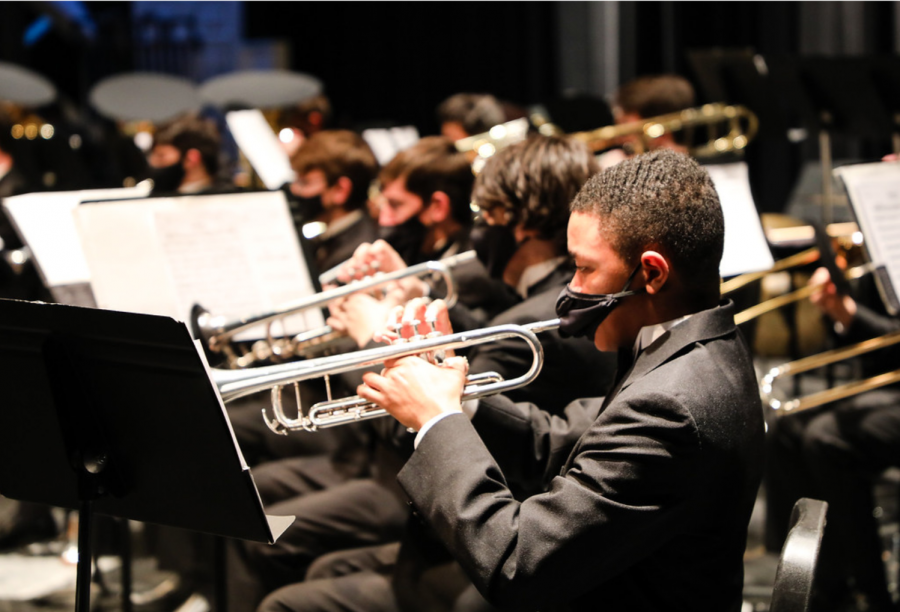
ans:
(414, 391)
(369, 258)
(419, 318)
(380, 257)
(840, 308)
(359, 316)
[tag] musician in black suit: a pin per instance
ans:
(184, 158)
(549, 172)
(835, 453)
(650, 489)
(333, 170)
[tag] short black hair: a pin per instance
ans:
(191, 132)
(339, 153)
(476, 113)
(534, 181)
(434, 164)
(665, 201)
(654, 95)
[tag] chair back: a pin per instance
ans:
(797, 566)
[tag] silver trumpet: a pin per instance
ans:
(233, 384)
(216, 332)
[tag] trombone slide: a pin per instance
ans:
(817, 361)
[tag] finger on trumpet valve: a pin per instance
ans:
(437, 356)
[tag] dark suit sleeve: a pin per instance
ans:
(528, 443)
(867, 323)
(622, 496)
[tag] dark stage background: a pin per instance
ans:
(392, 63)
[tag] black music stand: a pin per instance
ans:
(115, 413)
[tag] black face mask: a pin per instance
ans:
(495, 245)
(580, 314)
(168, 178)
(406, 239)
(308, 209)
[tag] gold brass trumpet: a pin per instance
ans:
(234, 384)
(217, 332)
(767, 384)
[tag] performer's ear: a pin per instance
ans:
(655, 269)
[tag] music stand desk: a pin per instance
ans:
(116, 413)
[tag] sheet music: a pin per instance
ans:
(386, 143)
(44, 222)
(259, 143)
(235, 254)
(874, 191)
(746, 248)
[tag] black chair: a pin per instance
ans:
(797, 566)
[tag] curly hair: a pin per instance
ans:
(665, 201)
(534, 181)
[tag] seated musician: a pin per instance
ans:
(654, 484)
(184, 158)
(643, 98)
(549, 173)
(334, 169)
(834, 453)
(424, 200)
(466, 114)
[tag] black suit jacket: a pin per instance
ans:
(338, 248)
(654, 490)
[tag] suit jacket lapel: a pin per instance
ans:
(705, 325)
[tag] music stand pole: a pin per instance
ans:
(825, 157)
(166, 455)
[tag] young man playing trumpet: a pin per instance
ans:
(651, 487)
(548, 173)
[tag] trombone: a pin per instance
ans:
(846, 235)
(233, 384)
(767, 383)
(738, 123)
(740, 126)
(217, 332)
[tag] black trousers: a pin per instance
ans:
(378, 579)
(355, 513)
(833, 454)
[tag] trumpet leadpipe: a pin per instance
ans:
(217, 331)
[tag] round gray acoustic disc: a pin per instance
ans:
(144, 96)
(260, 89)
(24, 87)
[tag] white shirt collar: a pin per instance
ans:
(536, 273)
(651, 333)
(341, 224)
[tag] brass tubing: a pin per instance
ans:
(794, 296)
(817, 361)
(804, 257)
(840, 392)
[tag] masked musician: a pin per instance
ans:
(653, 485)
(835, 454)
(466, 114)
(334, 169)
(549, 172)
(184, 158)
